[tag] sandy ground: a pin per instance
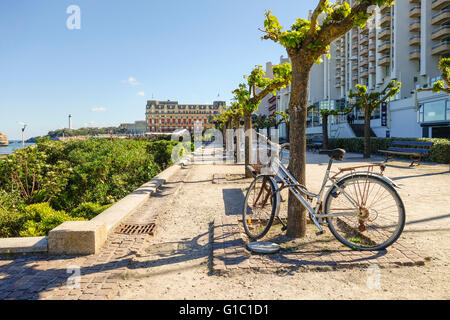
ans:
(176, 263)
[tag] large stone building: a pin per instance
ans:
(3, 139)
(404, 42)
(169, 116)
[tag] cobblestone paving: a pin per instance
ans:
(231, 256)
(28, 277)
(56, 277)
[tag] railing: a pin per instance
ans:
(439, 13)
(384, 57)
(414, 8)
(443, 43)
(440, 28)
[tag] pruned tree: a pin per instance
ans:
(324, 115)
(441, 85)
(306, 42)
(369, 101)
(284, 118)
(249, 97)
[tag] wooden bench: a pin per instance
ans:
(416, 150)
(316, 144)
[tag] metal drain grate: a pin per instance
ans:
(137, 229)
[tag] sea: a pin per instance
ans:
(13, 145)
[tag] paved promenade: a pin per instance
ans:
(198, 253)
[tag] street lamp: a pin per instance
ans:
(23, 129)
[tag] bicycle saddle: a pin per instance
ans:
(335, 154)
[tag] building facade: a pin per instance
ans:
(405, 43)
(169, 116)
(139, 127)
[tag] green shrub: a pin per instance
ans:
(80, 177)
(440, 151)
(11, 223)
(162, 152)
(88, 210)
(41, 218)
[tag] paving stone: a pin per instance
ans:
(229, 256)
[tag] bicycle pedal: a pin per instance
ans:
(319, 233)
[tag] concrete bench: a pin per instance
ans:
(416, 150)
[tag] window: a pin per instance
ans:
(434, 111)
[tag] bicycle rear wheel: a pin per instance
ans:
(379, 214)
(260, 207)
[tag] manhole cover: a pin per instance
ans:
(263, 247)
(137, 229)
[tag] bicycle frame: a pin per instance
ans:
(298, 190)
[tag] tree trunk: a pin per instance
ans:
(325, 132)
(298, 110)
(248, 141)
(367, 133)
(287, 132)
(237, 122)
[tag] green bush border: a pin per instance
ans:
(440, 151)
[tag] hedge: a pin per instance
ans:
(440, 151)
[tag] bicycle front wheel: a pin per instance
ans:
(260, 207)
(368, 213)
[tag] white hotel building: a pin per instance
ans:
(403, 42)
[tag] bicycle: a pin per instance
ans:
(361, 209)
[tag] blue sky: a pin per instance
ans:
(124, 53)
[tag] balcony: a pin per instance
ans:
(441, 18)
(414, 12)
(363, 62)
(355, 67)
(372, 70)
(355, 46)
(414, 54)
(355, 78)
(364, 40)
(372, 58)
(364, 31)
(441, 33)
(364, 51)
(441, 48)
(384, 47)
(414, 26)
(414, 40)
(385, 9)
(414, 1)
(364, 73)
(372, 34)
(372, 46)
(385, 60)
(440, 4)
(385, 20)
(384, 34)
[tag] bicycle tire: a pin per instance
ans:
(361, 233)
(257, 226)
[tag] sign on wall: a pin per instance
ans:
(384, 114)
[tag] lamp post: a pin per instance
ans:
(23, 139)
